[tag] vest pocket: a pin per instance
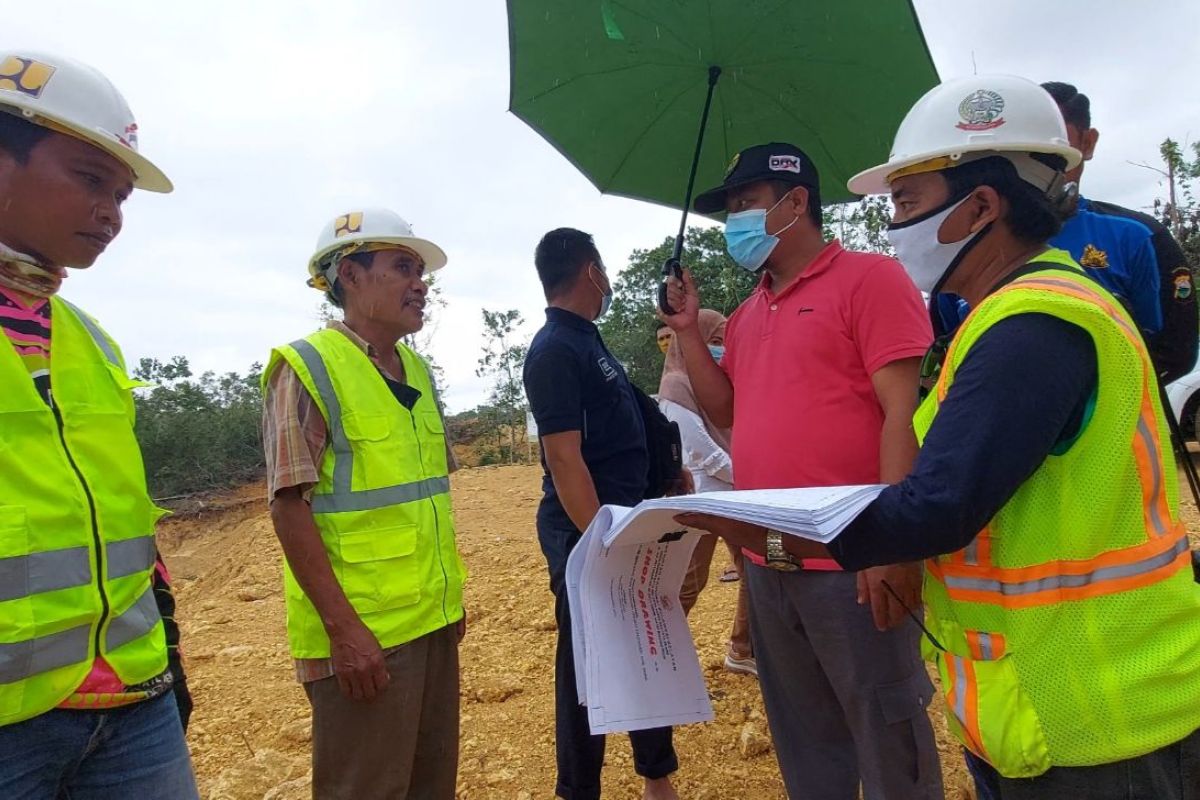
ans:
(989, 712)
(379, 568)
(360, 426)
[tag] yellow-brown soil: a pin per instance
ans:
(250, 730)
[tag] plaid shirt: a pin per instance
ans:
(295, 436)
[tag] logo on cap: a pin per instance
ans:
(980, 111)
(130, 137)
(24, 75)
(784, 164)
(347, 224)
(733, 164)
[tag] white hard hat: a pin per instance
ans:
(977, 116)
(359, 231)
(72, 98)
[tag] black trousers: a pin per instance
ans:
(580, 755)
(1169, 773)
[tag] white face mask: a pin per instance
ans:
(926, 259)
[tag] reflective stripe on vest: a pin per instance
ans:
(97, 335)
(51, 570)
(970, 576)
(138, 620)
(985, 646)
(1059, 581)
(962, 698)
(343, 497)
(20, 660)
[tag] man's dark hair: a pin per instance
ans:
(335, 295)
(1075, 106)
(780, 188)
(560, 256)
(18, 136)
(1031, 216)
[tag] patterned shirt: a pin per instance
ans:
(26, 325)
(294, 439)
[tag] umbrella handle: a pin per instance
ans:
(670, 267)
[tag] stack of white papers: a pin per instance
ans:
(818, 514)
(635, 661)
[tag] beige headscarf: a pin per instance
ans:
(23, 274)
(674, 384)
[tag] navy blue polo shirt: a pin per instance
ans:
(575, 384)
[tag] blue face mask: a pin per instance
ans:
(718, 352)
(746, 236)
(606, 297)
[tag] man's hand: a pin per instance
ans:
(738, 534)
(683, 297)
(460, 627)
(905, 580)
(358, 661)
(684, 484)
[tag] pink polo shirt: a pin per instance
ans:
(801, 359)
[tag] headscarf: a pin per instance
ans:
(676, 387)
(665, 335)
(22, 273)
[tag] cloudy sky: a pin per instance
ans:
(273, 116)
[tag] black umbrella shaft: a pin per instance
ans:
(713, 74)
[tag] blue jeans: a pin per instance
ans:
(137, 751)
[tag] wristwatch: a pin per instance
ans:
(777, 557)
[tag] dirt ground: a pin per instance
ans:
(250, 731)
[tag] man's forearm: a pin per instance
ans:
(576, 491)
(709, 382)
(305, 553)
(897, 448)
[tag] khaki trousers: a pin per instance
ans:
(403, 744)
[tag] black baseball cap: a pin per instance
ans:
(764, 162)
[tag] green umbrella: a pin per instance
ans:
(619, 86)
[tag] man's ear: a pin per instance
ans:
(986, 205)
(348, 272)
(1087, 144)
(799, 199)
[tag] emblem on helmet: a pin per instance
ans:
(347, 224)
(24, 75)
(980, 111)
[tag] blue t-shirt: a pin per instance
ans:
(1135, 257)
(575, 384)
(1116, 250)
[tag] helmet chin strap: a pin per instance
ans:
(1049, 181)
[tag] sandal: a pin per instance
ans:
(729, 575)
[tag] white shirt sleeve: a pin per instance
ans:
(700, 452)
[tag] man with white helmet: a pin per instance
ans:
(85, 685)
(357, 474)
(1061, 611)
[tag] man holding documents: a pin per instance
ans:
(1062, 614)
(819, 380)
(594, 452)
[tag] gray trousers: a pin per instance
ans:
(845, 703)
(402, 745)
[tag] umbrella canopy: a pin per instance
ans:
(617, 86)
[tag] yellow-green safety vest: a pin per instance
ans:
(382, 502)
(76, 524)
(1071, 623)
